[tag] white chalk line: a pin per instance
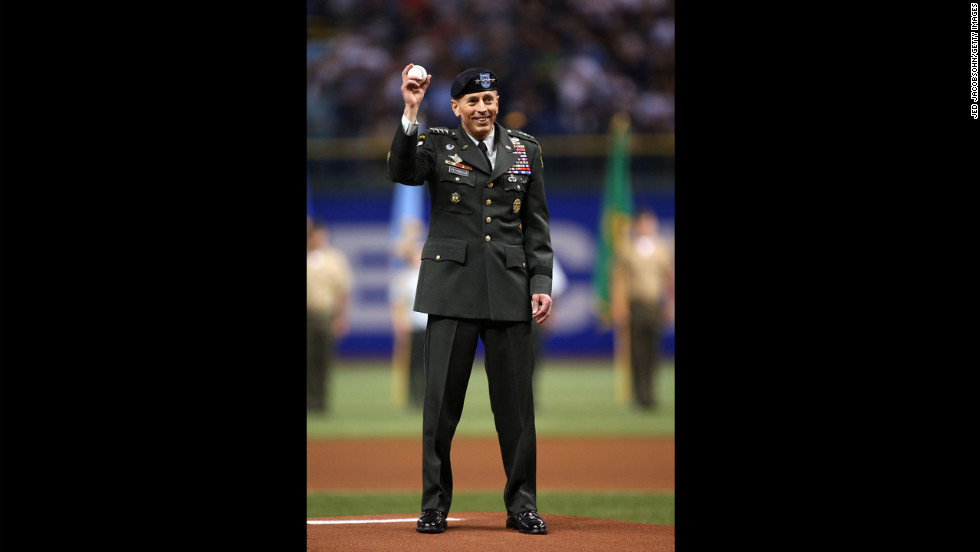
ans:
(344, 521)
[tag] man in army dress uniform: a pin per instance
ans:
(486, 274)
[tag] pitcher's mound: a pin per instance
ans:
(484, 531)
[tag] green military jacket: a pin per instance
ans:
(488, 248)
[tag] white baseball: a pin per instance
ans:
(417, 72)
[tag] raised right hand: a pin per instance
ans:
(413, 92)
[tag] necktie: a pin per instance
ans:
(483, 148)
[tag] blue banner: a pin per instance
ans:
(363, 227)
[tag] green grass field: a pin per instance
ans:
(573, 398)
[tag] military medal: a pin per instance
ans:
(522, 165)
(455, 198)
(517, 205)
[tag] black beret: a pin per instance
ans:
(475, 79)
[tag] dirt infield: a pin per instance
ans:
(632, 464)
(637, 464)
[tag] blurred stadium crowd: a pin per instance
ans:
(565, 66)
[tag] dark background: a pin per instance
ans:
(150, 164)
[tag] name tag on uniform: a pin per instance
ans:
(456, 170)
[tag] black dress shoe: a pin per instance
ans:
(527, 522)
(431, 521)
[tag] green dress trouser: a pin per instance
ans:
(450, 348)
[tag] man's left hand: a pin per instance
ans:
(540, 307)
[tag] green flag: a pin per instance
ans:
(616, 210)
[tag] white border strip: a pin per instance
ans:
(344, 521)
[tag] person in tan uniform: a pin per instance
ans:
(328, 282)
(643, 300)
(408, 326)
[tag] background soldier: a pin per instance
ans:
(328, 283)
(642, 300)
